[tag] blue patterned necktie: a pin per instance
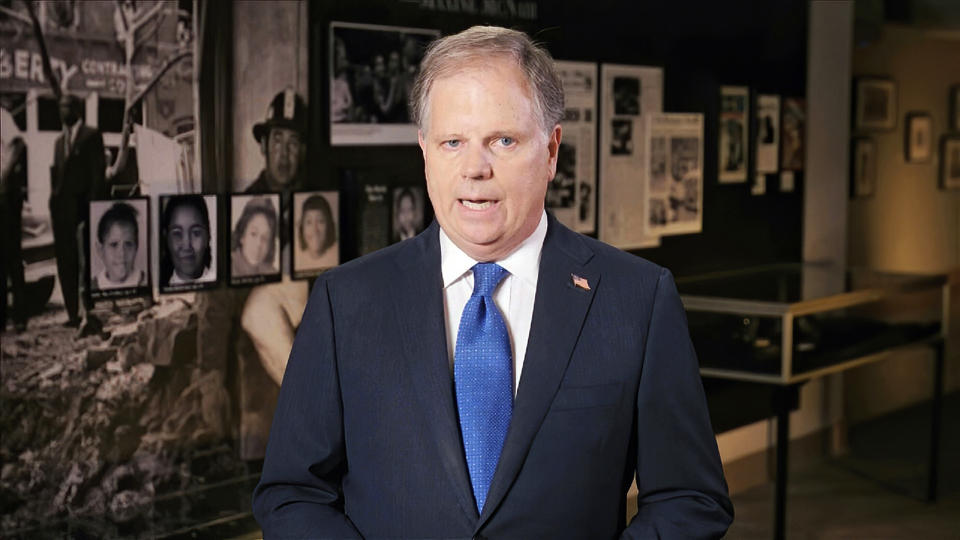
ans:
(483, 376)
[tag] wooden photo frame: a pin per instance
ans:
(875, 104)
(918, 137)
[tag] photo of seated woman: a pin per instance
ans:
(118, 245)
(254, 238)
(316, 243)
(188, 247)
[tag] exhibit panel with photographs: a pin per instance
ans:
(950, 162)
(119, 248)
(408, 203)
(768, 133)
(372, 70)
(793, 134)
(918, 138)
(875, 104)
(572, 194)
(627, 94)
(734, 131)
(316, 232)
(188, 242)
(674, 201)
(255, 225)
(863, 167)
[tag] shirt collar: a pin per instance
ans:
(523, 262)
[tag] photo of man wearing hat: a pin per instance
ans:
(282, 137)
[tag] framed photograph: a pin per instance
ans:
(918, 138)
(255, 238)
(954, 107)
(863, 167)
(950, 162)
(768, 133)
(409, 212)
(316, 232)
(793, 123)
(734, 134)
(674, 173)
(875, 105)
(119, 248)
(188, 242)
(372, 69)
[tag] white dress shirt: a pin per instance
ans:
(514, 295)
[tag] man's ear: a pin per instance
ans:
(553, 150)
(422, 143)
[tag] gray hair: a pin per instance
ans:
(450, 54)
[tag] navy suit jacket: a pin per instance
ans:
(366, 442)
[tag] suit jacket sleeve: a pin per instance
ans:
(682, 493)
(299, 493)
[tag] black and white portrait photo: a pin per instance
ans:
(408, 212)
(119, 247)
(254, 238)
(626, 96)
(316, 240)
(188, 242)
(622, 140)
(372, 69)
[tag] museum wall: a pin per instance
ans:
(909, 224)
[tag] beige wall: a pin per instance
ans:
(270, 53)
(909, 224)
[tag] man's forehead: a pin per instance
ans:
(284, 131)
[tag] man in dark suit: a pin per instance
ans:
(76, 177)
(414, 408)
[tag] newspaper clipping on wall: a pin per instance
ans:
(572, 194)
(768, 133)
(629, 93)
(733, 128)
(674, 170)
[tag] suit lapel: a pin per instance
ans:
(423, 333)
(558, 314)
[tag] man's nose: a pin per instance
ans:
(477, 164)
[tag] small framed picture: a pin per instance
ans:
(119, 246)
(408, 212)
(875, 106)
(950, 162)
(188, 242)
(954, 108)
(315, 238)
(254, 238)
(918, 138)
(863, 168)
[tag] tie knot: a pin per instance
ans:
(486, 276)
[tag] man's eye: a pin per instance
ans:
(506, 141)
(452, 143)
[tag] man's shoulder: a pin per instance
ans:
(606, 258)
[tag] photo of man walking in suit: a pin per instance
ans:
(76, 177)
(499, 375)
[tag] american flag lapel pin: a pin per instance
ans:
(580, 282)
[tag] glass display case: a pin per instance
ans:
(785, 324)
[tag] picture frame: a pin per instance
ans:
(863, 167)
(370, 66)
(954, 107)
(254, 250)
(950, 161)
(918, 137)
(875, 104)
(314, 233)
(188, 261)
(120, 254)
